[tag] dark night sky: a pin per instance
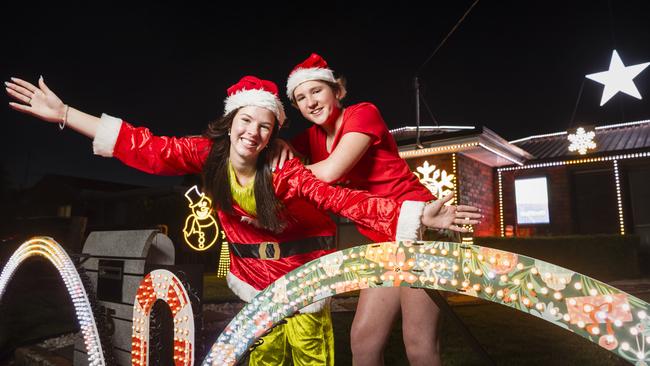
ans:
(515, 67)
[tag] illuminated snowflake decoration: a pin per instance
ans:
(581, 141)
(436, 180)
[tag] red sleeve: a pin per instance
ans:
(365, 118)
(300, 142)
(374, 212)
(137, 147)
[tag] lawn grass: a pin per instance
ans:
(509, 337)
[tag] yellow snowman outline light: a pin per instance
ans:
(199, 220)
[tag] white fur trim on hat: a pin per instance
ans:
(106, 135)
(247, 293)
(258, 98)
(301, 75)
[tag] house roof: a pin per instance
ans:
(619, 137)
(476, 142)
(408, 133)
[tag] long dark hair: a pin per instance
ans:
(215, 173)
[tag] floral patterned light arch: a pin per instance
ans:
(592, 309)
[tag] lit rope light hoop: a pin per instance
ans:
(592, 309)
(163, 285)
(52, 251)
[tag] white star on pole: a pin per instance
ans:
(618, 78)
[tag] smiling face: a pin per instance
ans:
(202, 209)
(317, 102)
(250, 132)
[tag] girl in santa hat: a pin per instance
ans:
(352, 146)
(274, 222)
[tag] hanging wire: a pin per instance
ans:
(575, 107)
(426, 105)
(446, 37)
(418, 98)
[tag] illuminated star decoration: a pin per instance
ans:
(618, 78)
(582, 141)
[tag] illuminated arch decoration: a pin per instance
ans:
(201, 230)
(437, 180)
(163, 285)
(52, 251)
(613, 319)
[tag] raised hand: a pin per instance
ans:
(437, 215)
(281, 152)
(39, 101)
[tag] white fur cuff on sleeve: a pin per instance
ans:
(409, 222)
(106, 136)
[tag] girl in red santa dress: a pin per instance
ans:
(353, 147)
(274, 222)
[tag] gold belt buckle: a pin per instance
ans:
(276, 250)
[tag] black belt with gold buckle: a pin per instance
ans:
(275, 250)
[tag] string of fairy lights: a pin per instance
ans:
(613, 158)
(619, 201)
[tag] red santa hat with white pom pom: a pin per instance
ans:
(253, 91)
(313, 68)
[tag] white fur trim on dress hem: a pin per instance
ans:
(106, 136)
(247, 293)
(242, 289)
(301, 75)
(409, 222)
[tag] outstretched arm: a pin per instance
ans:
(401, 221)
(42, 103)
(136, 147)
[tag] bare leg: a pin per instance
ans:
(373, 321)
(420, 327)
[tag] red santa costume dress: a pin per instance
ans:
(258, 257)
(381, 171)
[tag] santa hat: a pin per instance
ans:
(253, 91)
(313, 68)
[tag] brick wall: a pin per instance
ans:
(476, 187)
